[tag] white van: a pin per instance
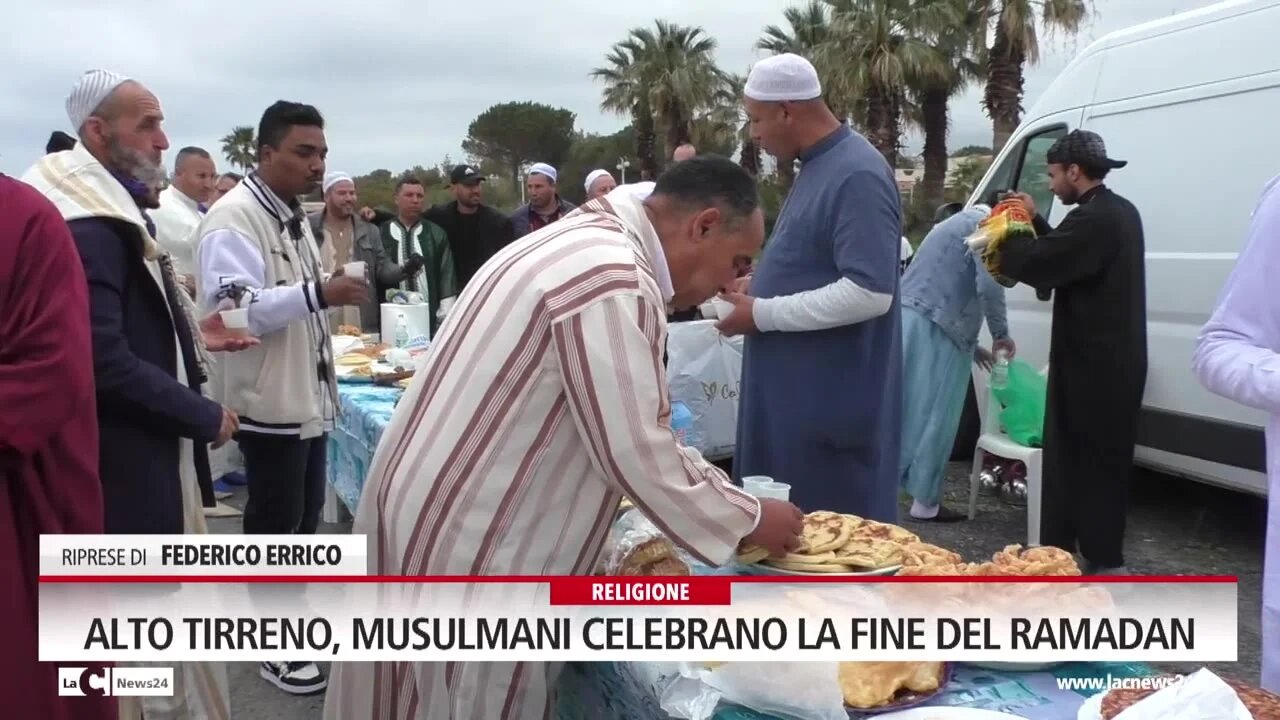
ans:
(1193, 103)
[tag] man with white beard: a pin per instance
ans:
(149, 353)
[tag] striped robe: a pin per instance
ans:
(542, 402)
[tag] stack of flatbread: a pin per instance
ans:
(836, 543)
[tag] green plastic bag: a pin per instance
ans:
(1023, 399)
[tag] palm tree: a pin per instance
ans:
(883, 47)
(672, 69)
(240, 146)
(717, 129)
(1015, 45)
(626, 93)
(961, 45)
(809, 28)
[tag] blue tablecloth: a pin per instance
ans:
(366, 410)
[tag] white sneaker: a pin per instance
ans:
(295, 678)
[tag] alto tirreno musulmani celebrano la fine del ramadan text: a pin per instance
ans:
(604, 634)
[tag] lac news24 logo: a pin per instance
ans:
(83, 681)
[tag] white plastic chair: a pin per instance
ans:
(992, 440)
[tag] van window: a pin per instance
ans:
(1024, 168)
(1033, 179)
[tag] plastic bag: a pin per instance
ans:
(789, 690)
(1023, 398)
(636, 547)
(1007, 219)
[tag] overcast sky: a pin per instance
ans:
(397, 80)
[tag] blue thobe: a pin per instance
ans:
(1236, 357)
(821, 410)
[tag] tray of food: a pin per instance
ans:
(356, 367)
(836, 544)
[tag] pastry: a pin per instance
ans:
(875, 684)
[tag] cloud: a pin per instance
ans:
(397, 80)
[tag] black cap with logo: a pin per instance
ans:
(465, 175)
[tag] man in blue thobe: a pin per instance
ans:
(821, 400)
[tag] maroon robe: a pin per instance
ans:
(48, 437)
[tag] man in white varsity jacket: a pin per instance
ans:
(257, 237)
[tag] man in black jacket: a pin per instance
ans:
(476, 231)
(1093, 262)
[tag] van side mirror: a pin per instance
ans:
(994, 197)
(945, 211)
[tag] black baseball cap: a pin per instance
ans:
(1084, 148)
(465, 175)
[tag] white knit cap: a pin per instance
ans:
(543, 169)
(333, 178)
(89, 92)
(783, 78)
(593, 177)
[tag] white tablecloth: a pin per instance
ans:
(704, 371)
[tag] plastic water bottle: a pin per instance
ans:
(1000, 370)
(682, 423)
(402, 332)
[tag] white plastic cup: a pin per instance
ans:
(775, 490)
(236, 321)
(354, 269)
(723, 307)
(756, 484)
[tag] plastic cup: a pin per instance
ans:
(775, 490)
(354, 269)
(236, 321)
(723, 307)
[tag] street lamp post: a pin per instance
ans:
(622, 166)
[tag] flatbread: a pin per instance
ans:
(752, 554)
(868, 685)
(353, 359)
(821, 567)
(872, 530)
(824, 532)
(873, 554)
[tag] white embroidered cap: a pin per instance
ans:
(593, 177)
(783, 78)
(543, 169)
(333, 178)
(90, 90)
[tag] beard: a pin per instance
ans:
(137, 166)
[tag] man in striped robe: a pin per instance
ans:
(549, 370)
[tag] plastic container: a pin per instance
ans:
(236, 321)
(682, 423)
(1000, 371)
(775, 490)
(402, 332)
(354, 269)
